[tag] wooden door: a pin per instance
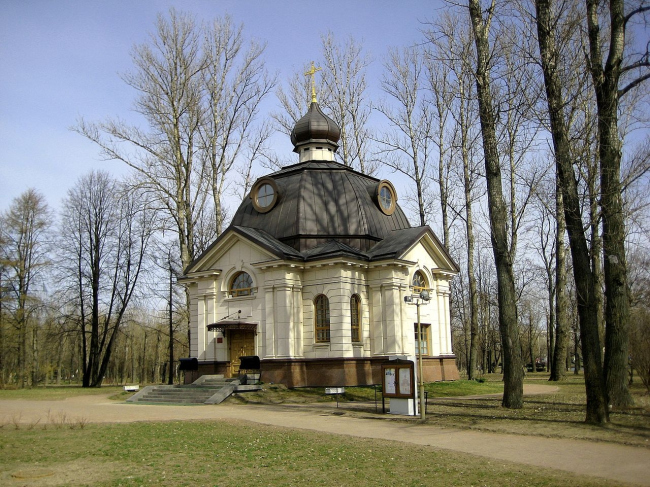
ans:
(242, 344)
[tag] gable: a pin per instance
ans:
(438, 252)
(415, 244)
(229, 249)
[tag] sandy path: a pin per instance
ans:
(616, 462)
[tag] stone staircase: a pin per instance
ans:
(207, 389)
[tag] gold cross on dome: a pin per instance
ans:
(311, 73)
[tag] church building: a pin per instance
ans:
(312, 273)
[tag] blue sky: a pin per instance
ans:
(62, 60)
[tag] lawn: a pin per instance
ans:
(558, 415)
(240, 454)
(57, 392)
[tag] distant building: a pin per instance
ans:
(312, 273)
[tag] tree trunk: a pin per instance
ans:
(558, 370)
(469, 227)
(606, 81)
(59, 360)
(507, 297)
(35, 358)
(597, 412)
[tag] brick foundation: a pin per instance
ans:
(331, 372)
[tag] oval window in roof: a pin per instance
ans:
(264, 195)
(386, 197)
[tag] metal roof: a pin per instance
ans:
(320, 201)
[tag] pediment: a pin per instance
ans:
(402, 245)
(443, 261)
(227, 241)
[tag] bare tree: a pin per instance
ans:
(199, 91)
(609, 70)
(104, 234)
(640, 315)
(546, 230)
(234, 84)
(597, 412)
(482, 19)
(3, 321)
(561, 343)
(344, 94)
(294, 100)
(451, 46)
(407, 146)
(439, 76)
(24, 228)
(341, 91)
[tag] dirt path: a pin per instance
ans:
(616, 462)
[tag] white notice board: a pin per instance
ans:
(405, 381)
(397, 377)
(389, 381)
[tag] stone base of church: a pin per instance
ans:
(338, 372)
(332, 372)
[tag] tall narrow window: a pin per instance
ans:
(322, 305)
(419, 282)
(422, 341)
(355, 317)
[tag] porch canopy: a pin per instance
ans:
(224, 325)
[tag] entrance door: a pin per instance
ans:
(242, 344)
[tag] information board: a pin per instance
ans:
(398, 379)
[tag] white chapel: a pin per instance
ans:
(312, 273)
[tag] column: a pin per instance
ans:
(283, 320)
(298, 348)
(376, 325)
(393, 313)
(269, 324)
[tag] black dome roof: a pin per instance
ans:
(319, 201)
(315, 126)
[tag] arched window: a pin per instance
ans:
(322, 305)
(419, 282)
(355, 317)
(241, 285)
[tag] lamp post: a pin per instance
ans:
(424, 297)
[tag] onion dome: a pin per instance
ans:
(315, 128)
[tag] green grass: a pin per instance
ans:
(240, 454)
(57, 392)
(558, 414)
(463, 388)
(279, 394)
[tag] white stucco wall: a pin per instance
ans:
(283, 304)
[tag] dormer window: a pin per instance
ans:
(264, 195)
(386, 197)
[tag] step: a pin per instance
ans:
(212, 390)
(205, 390)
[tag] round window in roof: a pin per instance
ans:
(386, 197)
(264, 195)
